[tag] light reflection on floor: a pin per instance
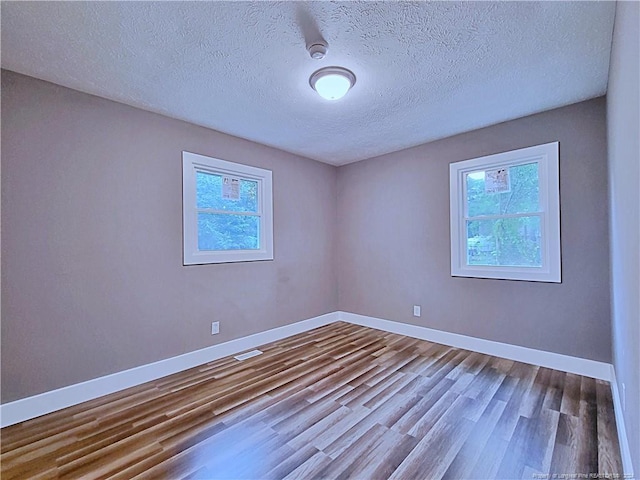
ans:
(238, 452)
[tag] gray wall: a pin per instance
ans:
(394, 244)
(92, 280)
(623, 119)
(92, 275)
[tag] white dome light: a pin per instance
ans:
(332, 83)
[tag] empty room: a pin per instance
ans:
(363, 239)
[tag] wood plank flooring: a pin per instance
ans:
(341, 401)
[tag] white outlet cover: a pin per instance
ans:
(215, 328)
(416, 310)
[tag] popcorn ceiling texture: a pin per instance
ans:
(424, 70)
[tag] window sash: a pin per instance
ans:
(464, 238)
(464, 241)
(542, 178)
(260, 202)
(258, 213)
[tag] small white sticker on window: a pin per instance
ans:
(497, 181)
(230, 188)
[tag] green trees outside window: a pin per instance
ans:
(504, 228)
(226, 224)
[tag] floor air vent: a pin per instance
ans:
(244, 356)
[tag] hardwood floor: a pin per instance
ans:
(341, 401)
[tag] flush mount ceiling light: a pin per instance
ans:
(332, 83)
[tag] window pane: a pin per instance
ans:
(219, 231)
(520, 191)
(511, 242)
(209, 194)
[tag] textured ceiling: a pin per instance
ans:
(425, 70)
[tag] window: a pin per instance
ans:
(505, 215)
(227, 211)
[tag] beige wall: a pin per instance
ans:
(91, 240)
(394, 244)
(92, 275)
(623, 122)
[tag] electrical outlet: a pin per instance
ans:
(416, 310)
(215, 328)
(624, 397)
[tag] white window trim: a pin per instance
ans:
(191, 163)
(549, 184)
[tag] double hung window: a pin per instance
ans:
(505, 215)
(227, 211)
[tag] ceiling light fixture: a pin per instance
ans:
(332, 83)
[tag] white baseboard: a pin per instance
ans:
(625, 451)
(37, 405)
(565, 363)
